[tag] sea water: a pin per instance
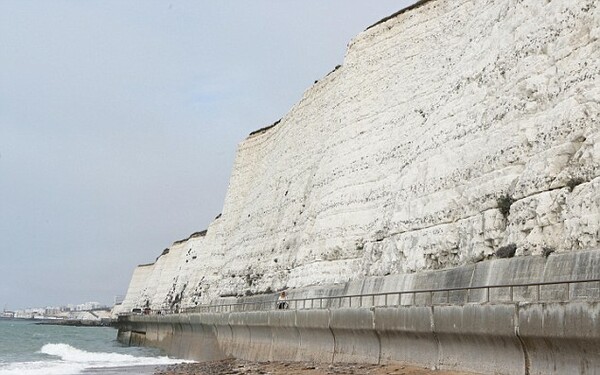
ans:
(27, 348)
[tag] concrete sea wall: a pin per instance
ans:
(521, 330)
(534, 338)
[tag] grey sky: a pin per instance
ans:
(119, 122)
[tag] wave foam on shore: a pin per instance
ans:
(70, 360)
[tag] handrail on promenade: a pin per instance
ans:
(409, 297)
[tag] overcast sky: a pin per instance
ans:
(119, 122)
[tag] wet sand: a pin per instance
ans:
(240, 367)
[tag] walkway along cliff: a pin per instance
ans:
(454, 134)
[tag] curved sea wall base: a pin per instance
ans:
(535, 334)
(536, 338)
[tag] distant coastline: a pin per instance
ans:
(64, 322)
(49, 320)
(76, 323)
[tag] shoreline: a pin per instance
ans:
(242, 367)
(121, 370)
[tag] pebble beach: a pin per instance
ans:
(241, 367)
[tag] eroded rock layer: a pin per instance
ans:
(454, 132)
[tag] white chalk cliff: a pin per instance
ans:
(452, 130)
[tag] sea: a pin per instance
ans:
(27, 348)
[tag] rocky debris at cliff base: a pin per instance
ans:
(241, 367)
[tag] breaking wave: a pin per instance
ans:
(70, 360)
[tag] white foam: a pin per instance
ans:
(41, 368)
(71, 361)
(97, 359)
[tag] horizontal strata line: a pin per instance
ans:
(480, 212)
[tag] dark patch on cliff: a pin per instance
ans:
(507, 251)
(504, 203)
(574, 182)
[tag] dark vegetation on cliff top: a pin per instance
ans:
(262, 130)
(165, 252)
(201, 233)
(403, 10)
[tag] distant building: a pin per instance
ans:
(89, 306)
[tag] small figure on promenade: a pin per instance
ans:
(282, 301)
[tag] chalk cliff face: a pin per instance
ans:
(452, 130)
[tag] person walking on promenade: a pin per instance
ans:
(282, 301)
